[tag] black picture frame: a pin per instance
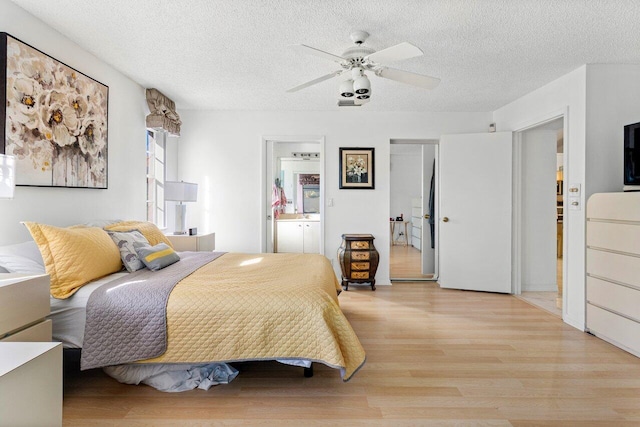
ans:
(357, 168)
(53, 119)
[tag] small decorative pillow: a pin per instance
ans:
(125, 240)
(156, 257)
(148, 229)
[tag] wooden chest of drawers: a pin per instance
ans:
(358, 260)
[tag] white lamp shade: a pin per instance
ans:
(7, 176)
(180, 191)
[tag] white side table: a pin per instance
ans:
(196, 243)
(24, 304)
(30, 384)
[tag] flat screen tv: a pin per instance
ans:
(632, 154)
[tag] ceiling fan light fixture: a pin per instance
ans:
(362, 85)
(346, 89)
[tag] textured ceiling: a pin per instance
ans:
(234, 54)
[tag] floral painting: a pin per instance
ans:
(356, 168)
(55, 119)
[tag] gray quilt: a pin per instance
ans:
(127, 318)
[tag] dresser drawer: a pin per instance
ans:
(618, 298)
(612, 266)
(40, 332)
(23, 300)
(618, 330)
(360, 255)
(614, 236)
(359, 274)
(360, 266)
(359, 245)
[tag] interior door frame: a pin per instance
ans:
(267, 144)
(518, 183)
(422, 142)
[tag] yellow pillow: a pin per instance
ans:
(148, 229)
(74, 256)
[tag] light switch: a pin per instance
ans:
(575, 197)
(330, 202)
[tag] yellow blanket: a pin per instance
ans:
(261, 307)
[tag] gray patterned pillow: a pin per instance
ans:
(156, 257)
(125, 241)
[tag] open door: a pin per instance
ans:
(475, 211)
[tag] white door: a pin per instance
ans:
(475, 211)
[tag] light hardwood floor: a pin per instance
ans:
(405, 262)
(434, 358)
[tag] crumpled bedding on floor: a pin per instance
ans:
(174, 377)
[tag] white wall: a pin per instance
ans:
(598, 101)
(126, 195)
(613, 101)
(564, 95)
(539, 210)
(222, 151)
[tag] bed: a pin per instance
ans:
(222, 308)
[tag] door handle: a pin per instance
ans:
(427, 216)
(445, 219)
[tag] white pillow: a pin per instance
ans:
(22, 258)
(20, 264)
(101, 222)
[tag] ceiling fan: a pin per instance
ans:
(356, 88)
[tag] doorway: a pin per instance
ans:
(540, 218)
(293, 195)
(413, 176)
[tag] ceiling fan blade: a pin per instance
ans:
(419, 80)
(314, 81)
(317, 52)
(395, 53)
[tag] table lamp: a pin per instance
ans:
(180, 191)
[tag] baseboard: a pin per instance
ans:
(540, 288)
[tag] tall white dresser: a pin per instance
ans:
(613, 269)
(30, 364)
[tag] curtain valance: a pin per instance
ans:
(162, 113)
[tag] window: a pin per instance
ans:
(156, 143)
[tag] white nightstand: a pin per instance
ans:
(30, 384)
(197, 243)
(30, 372)
(24, 304)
